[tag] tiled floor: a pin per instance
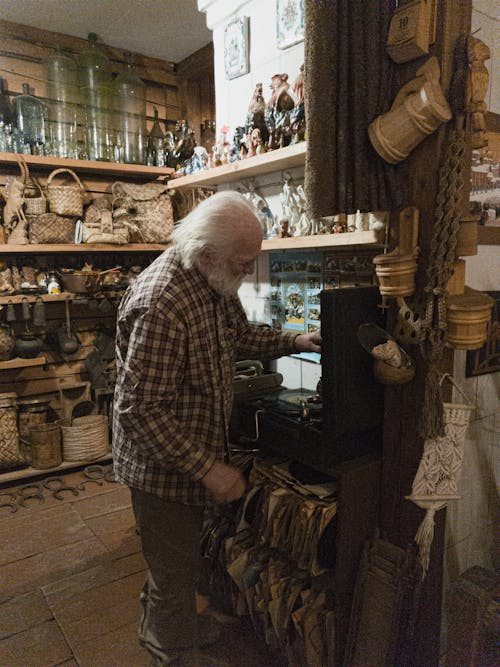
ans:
(70, 575)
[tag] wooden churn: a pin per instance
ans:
(46, 451)
(468, 317)
(396, 269)
(418, 110)
(31, 413)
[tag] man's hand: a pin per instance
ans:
(224, 482)
(310, 342)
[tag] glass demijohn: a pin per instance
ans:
(96, 95)
(29, 116)
(130, 115)
(63, 95)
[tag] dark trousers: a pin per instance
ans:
(170, 536)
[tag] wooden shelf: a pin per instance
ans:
(80, 248)
(277, 160)
(17, 362)
(89, 166)
(10, 476)
(325, 241)
(488, 235)
(63, 296)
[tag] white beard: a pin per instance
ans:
(223, 282)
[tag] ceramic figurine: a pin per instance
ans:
(277, 114)
(185, 142)
(255, 143)
(239, 147)
(261, 209)
(297, 115)
(284, 231)
(256, 113)
(198, 161)
(293, 203)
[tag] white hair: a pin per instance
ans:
(215, 226)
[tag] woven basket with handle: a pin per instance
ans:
(65, 199)
(35, 201)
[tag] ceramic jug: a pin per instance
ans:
(28, 346)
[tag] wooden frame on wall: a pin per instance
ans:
(485, 183)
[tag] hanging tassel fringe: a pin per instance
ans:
(432, 413)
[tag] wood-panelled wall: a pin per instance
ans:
(185, 92)
(23, 51)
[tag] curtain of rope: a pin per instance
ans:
(349, 81)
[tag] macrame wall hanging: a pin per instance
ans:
(443, 247)
(443, 425)
(436, 481)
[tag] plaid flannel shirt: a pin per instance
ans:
(176, 347)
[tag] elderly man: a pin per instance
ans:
(180, 329)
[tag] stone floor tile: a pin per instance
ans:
(50, 529)
(22, 612)
(64, 590)
(100, 620)
(119, 648)
(121, 544)
(39, 570)
(114, 522)
(96, 599)
(40, 645)
(96, 505)
(31, 508)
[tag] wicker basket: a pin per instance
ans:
(37, 204)
(10, 454)
(65, 199)
(86, 439)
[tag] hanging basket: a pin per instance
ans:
(65, 199)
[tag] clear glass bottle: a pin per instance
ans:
(156, 143)
(29, 118)
(130, 114)
(64, 98)
(96, 94)
(5, 106)
(207, 138)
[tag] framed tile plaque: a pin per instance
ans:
(289, 22)
(236, 47)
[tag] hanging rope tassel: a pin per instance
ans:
(433, 424)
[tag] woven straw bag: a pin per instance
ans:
(146, 209)
(65, 199)
(10, 454)
(99, 227)
(51, 228)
